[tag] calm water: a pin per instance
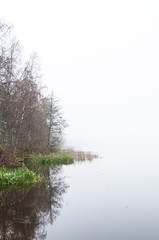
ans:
(113, 197)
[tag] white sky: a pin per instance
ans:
(101, 58)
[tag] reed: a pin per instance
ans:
(52, 159)
(80, 155)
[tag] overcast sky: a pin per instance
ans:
(101, 58)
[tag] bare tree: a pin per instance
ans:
(55, 122)
(27, 119)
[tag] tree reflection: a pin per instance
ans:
(24, 214)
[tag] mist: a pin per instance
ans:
(101, 60)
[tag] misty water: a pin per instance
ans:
(102, 60)
(115, 196)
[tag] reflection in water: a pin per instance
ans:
(24, 214)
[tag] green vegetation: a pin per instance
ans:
(24, 176)
(20, 176)
(52, 159)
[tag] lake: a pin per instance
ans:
(115, 196)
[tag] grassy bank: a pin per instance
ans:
(19, 176)
(52, 159)
(22, 175)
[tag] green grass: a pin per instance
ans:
(52, 159)
(22, 176)
(19, 176)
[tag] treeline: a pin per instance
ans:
(29, 122)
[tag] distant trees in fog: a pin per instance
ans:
(29, 122)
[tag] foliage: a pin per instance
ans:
(52, 159)
(18, 176)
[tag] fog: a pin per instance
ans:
(101, 60)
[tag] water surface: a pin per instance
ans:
(113, 197)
